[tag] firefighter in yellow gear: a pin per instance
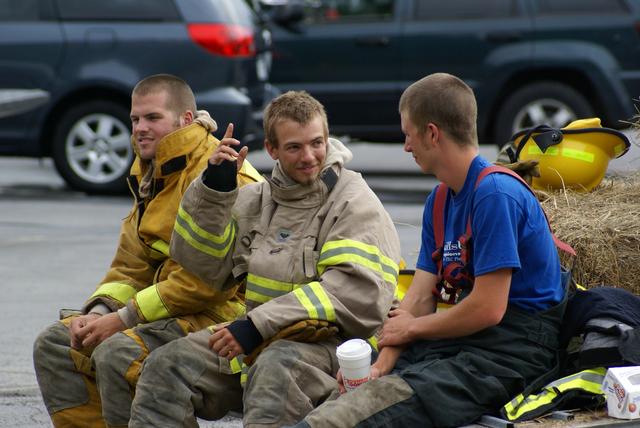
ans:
(87, 365)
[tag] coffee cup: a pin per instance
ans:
(354, 357)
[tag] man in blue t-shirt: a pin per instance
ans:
(446, 365)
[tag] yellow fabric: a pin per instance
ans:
(404, 282)
(351, 251)
(119, 292)
(151, 305)
(142, 261)
(133, 372)
(261, 289)
(586, 380)
(315, 300)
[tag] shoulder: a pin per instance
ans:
(251, 198)
(503, 186)
(351, 188)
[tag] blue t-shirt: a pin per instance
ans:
(509, 230)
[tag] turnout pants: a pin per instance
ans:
(185, 379)
(450, 383)
(94, 387)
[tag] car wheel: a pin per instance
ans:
(92, 147)
(551, 103)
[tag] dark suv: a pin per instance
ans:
(87, 55)
(528, 61)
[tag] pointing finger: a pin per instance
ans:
(229, 132)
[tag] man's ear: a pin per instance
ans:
(186, 118)
(271, 149)
(434, 132)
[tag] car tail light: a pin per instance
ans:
(224, 39)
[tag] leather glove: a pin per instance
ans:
(307, 331)
(526, 169)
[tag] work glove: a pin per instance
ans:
(527, 169)
(307, 331)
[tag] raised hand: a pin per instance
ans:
(225, 151)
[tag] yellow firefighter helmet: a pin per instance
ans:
(575, 157)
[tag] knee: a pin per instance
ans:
(115, 354)
(163, 359)
(278, 357)
(53, 337)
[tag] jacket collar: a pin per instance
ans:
(285, 191)
(172, 151)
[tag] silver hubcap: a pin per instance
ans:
(543, 111)
(98, 148)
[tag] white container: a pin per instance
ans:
(354, 357)
(621, 386)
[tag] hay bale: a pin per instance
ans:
(603, 226)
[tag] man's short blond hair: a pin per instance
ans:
(180, 97)
(298, 106)
(446, 101)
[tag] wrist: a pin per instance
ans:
(387, 359)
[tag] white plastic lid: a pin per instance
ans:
(354, 349)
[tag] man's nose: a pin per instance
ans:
(307, 153)
(407, 146)
(141, 125)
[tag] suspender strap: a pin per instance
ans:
(438, 224)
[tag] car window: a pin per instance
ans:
(118, 10)
(348, 11)
(228, 11)
(19, 10)
(558, 7)
(463, 9)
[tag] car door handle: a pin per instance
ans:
(374, 41)
(503, 36)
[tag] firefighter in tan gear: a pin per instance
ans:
(311, 243)
(87, 365)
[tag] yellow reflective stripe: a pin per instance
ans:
(373, 341)
(578, 154)
(208, 243)
(316, 301)
(244, 374)
(161, 247)
(619, 149)
(151, 305)
(350, 251)
(116, 290)
(261, 289)
(236, 365)
(587, 380)
(566, 152)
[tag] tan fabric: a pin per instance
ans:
(206, 121)
(281, 231)
(367, 400)
(325, 251)
(147, 180)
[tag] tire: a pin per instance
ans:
(92, 147)
(551, 103)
